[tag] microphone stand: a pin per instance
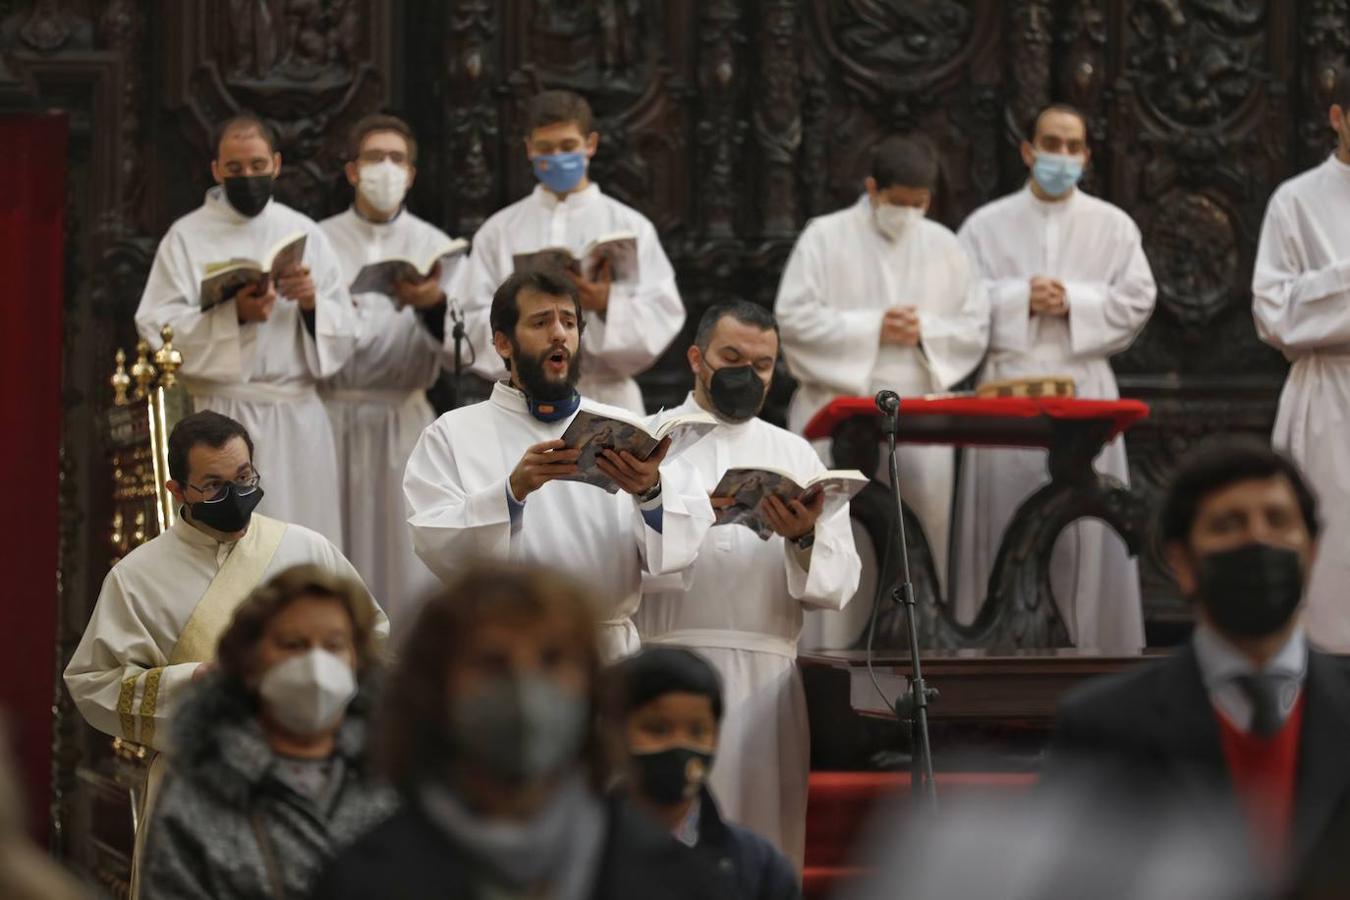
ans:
(913, 704)
(458, 334)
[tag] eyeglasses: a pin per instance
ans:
(215, 491)
(398, 157)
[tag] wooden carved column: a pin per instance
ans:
(777, 117)
(471, 111)
(720, 132)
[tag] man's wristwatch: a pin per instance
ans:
(650, 493)
(805, 541)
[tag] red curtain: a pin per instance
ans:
(32, 244)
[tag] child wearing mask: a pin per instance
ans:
(670, 707)
(267, 777)
(492, 734)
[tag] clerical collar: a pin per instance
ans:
(1340, 166)
(215, 197)
(544, 410)
(1050, 207)
(574, 200)
(369, 221)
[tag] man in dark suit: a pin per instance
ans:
(1245, 717)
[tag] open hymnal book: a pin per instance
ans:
(749, 487)
(620, 248)
(379, 277)
(591, 432)
(222, 280)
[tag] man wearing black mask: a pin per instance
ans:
(670, 704)
(163, 607)
(257, 356)
(1246, 713)
(742, 605)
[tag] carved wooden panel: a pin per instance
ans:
(728, 122)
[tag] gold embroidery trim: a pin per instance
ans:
(148, 701)
(124, 700)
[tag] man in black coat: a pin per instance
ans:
(1246, 717)
(670, 704)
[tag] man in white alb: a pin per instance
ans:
(256, 357)
(377, 402)
(1301, 301)
(878, 296)
(1069, 287)
(483, 479)
(628, 324)
(741, 605)
(163, 606)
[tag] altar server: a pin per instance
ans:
(629, 324)
(162, 607)
(741, 606)
(1069, 287)
(877, 296)
(377, 403)
(256, 357)
(1301, 300)
(482, 481)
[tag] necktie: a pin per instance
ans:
(1263, 692)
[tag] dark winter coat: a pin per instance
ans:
(224, 827)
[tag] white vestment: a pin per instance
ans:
(457, 490)
(120, 676)
(261, 374)
(1301, 300)
(742, 608)
(378, 408)
(839, 281)
(642, 319)
(1094, 248)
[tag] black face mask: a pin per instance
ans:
(248, 194)
(736, 392)
(1252, 590)
(229, 514)
(673, 775)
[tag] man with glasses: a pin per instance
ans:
(162, 608)
(377, 403)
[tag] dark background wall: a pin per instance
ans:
(728, 122)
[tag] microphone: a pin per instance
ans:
(888, 402)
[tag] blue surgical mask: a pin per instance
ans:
(1056, 173)
(560, 172)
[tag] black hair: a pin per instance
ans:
(552, 107)
(1218, 463)
(1066, 108)
(380, 122)
(205, 427)
(242, 121)
(741, 310)
(905, 161)
(1340, 92)
(505, 311)
(655, 671)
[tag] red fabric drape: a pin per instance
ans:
(32, 244)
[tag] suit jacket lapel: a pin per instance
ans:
(1324, 750)
(1187, 729)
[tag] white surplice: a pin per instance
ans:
(741, 606)
(839, 281)
(457, 488)
(1094, 248)
(642, 318)
(261, 374)
(1301, 301)
(146, 600)
(378, 408)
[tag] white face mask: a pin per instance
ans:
(308, 693)
(383, 184)
(893, 221)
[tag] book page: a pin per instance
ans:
(748, 488)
